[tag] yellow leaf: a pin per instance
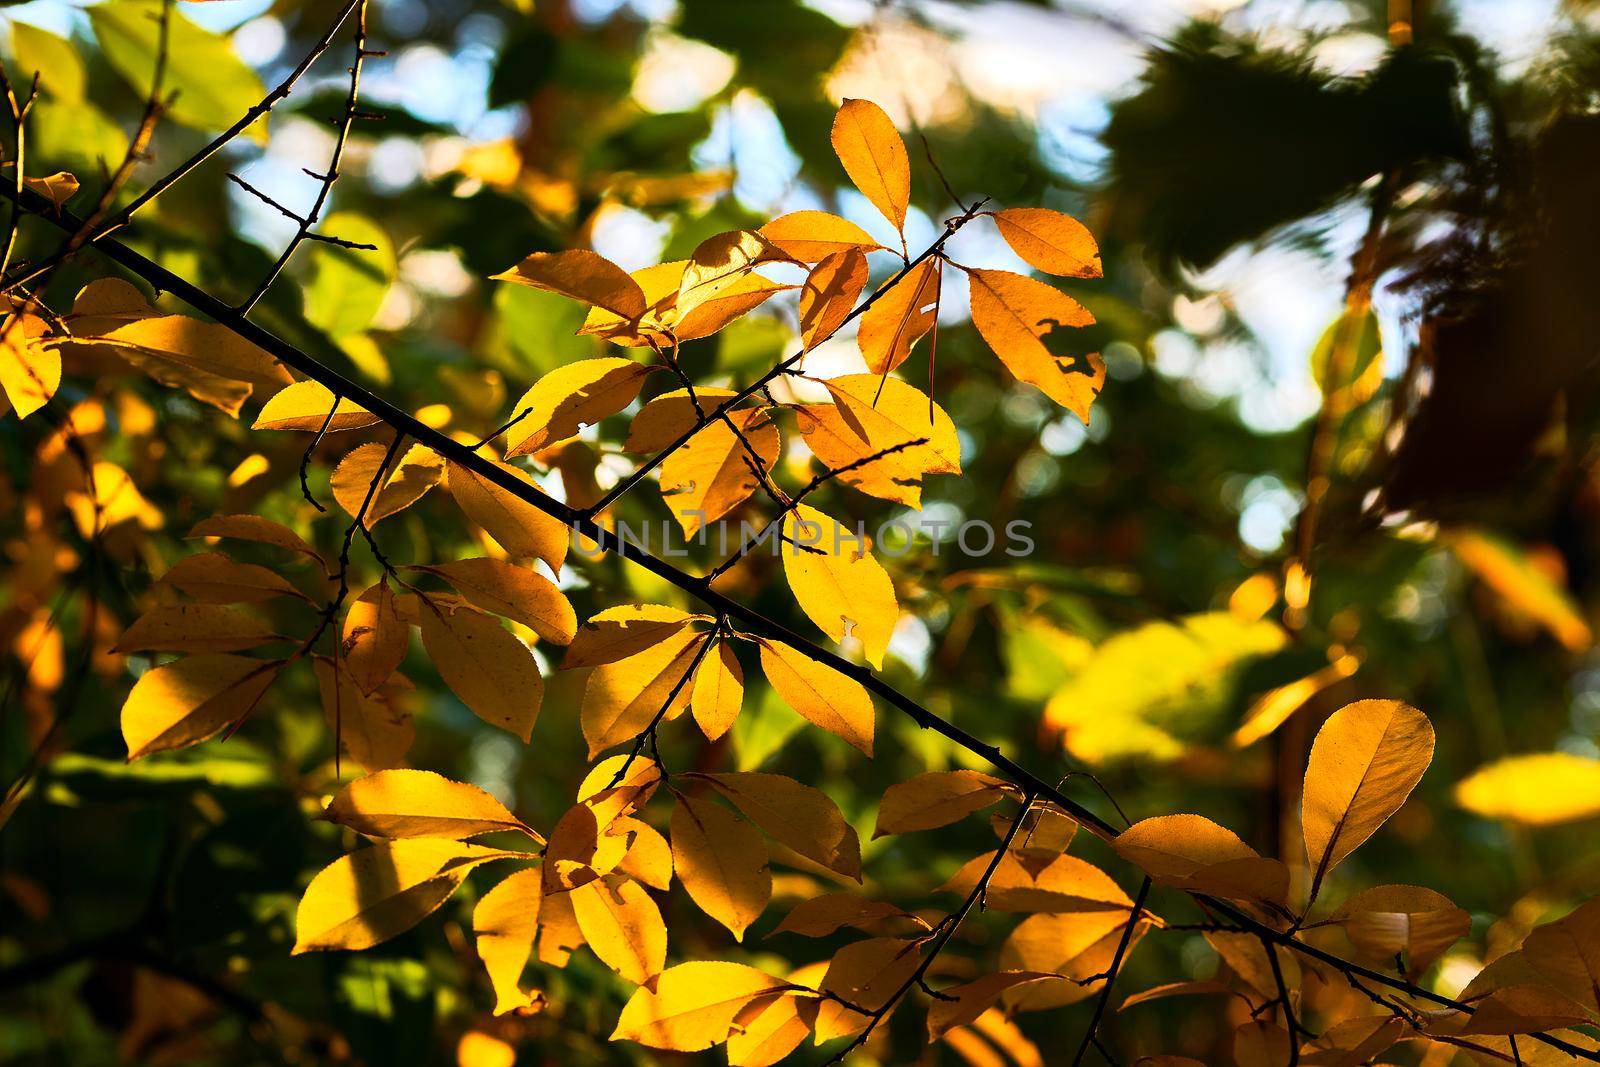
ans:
(254, 528)
(505, 921)
(796, 815)
(903, 311)
(1543, 789)
(405, 483)
(1566, 953)
(520, 528)
(398, 804)
(865, 973)
(58, 188)
(659, 284)
(1512, 573)
(1390, 920)
(837, 583)
(1275, 707)
(373, 728)
(936, 799)
(573, 396)
(623, 926)
(512, 592)
(692, 1005)
(581, 275)
(1050, 241)
(1352, 1042)
(206, 359)
(999, 1032)
(719, 262)
(718, 692)
(30, 372)
(665, 418)
(375, 638)
(829, 294)
(369, 896)
(1068, 945)
(852, 434)
(649, 857)
(621, 698)
(722, 862)
(213, 578)
(1029, 324)
(492, 672)
(1036, 880)
(1192, 852)
(767, 1030)
(874, 157)
(195, 628)
(1365, 761)
(570, 856)
(558, 930)
(820, 694)
(620, 632)
(961, 1004)
(728, 301)
(477, 1049)
(182, 703)
(305, 406)
(711, 475)
(828, 913)
(812, 236)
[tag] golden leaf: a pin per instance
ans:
(1192, 852)
(403, 484)
(798, 816)
(866, 973)
(820, 694)
(961, 1004)
(254, 528)
(1365, 761)
(213, 578)
(404, 804)
(374, 728)
(375, 638)
(581, 275)
(899, 316)
(195, 628)
(182, 703)
(520, 528)
(829, 294)
(623, 926)
(813, 236)
(1541, 789)
(505, 922)
(1027, 323)
(492, 672)
(573, 396)
(205, 359)
(1390, 920)
(665, 418)
(711, 475)
(722, 862)
(512, 592)
(622, 697)
(369, 896)
(718, 692)
(1050, 241)
(837, 583)
(1039, 881)
(828, 913)
(692, 1006)
(30, 372)
(936, 799)
(874, 157)
(620, 632)
(305, 406)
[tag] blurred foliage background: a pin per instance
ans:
(1252, 170)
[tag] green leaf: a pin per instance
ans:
(213, 86)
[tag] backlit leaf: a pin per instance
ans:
(375, 638)
(620, 632)
(30, 372)
(374, 729)
(1365, 761)
(1030, 327)
(718, 692)
(182, 703)
(513, 592)
(571, 397)
(1542, 789)
(520, 528)
(623, 926)
(812, 236)
(492, 672)
(405, 482)
(797, 815)
(692, 1005)
(722, 862)
(622, 697)
(711, 475)
(404, 804)
(936, 799)
(901, 313)
(582, 275)
(829, 294)
(373, 894)
(874, 157)
(305, 406)
(820, 694)
(213, 578)
(1050, 241)
(195, 628)
(505, 922)
(1391, 922)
